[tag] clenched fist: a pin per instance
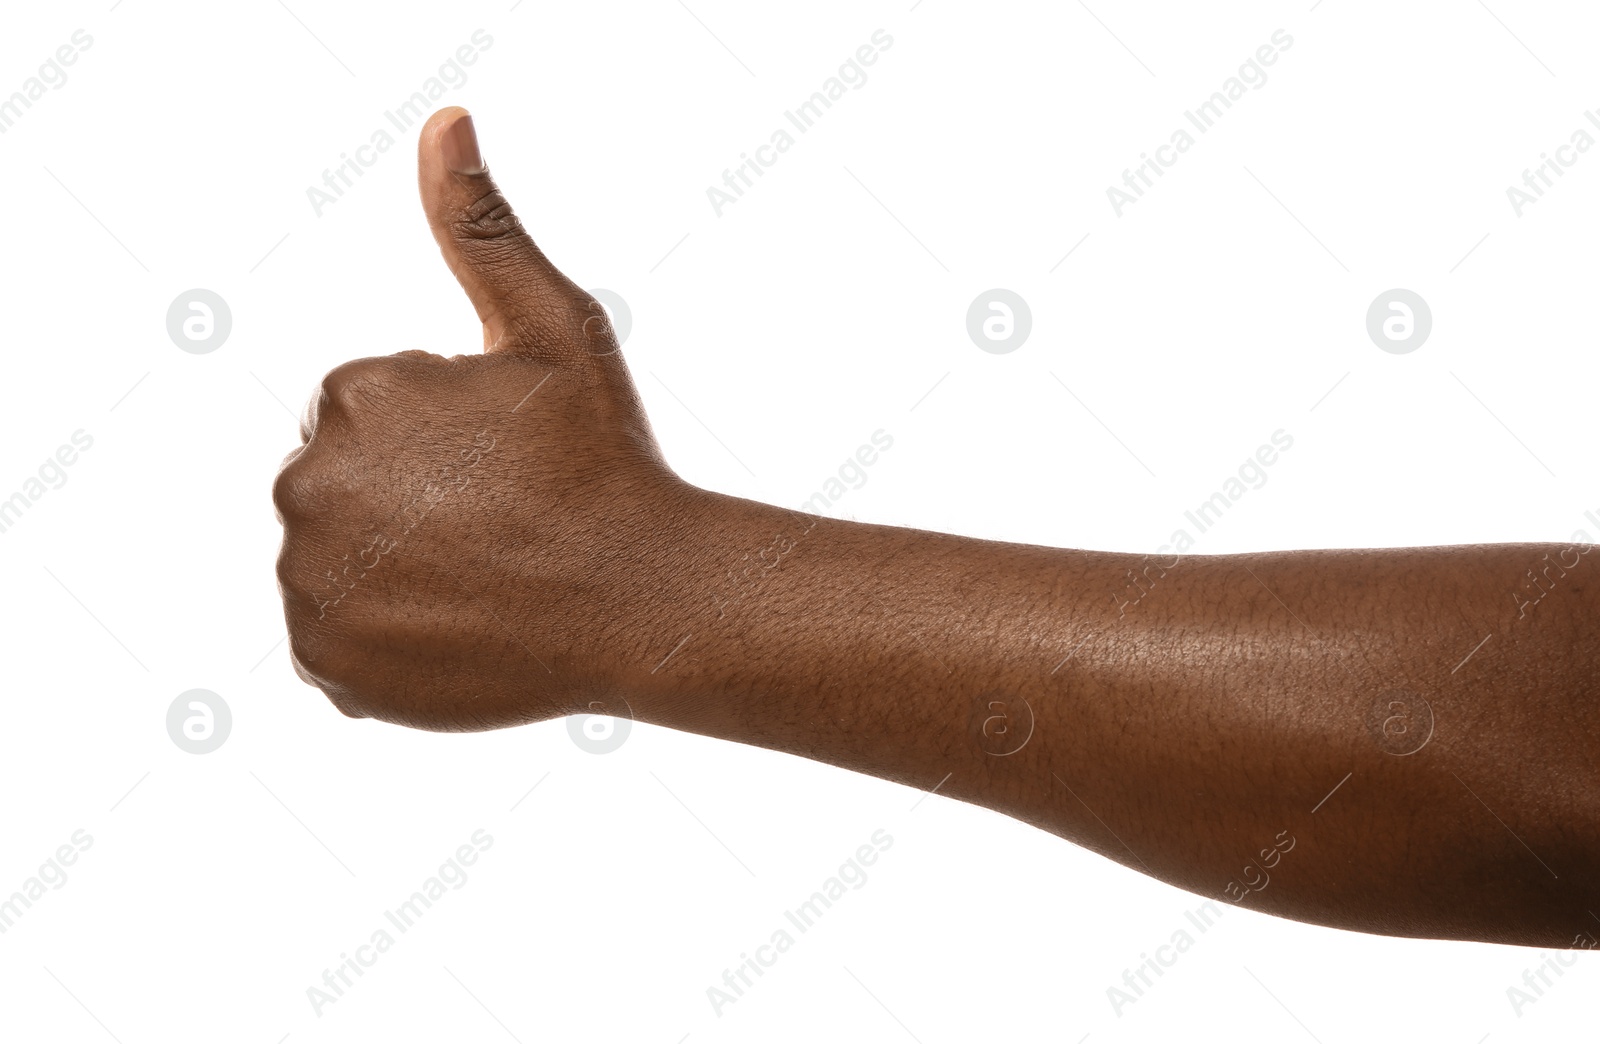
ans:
(458, 533)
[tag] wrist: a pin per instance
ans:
(715, 572)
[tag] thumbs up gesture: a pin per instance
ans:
(459, 532)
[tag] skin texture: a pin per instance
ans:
(1396, 741)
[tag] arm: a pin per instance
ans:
(1289, 731)
(496, 539)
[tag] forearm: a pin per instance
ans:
(1181, 716)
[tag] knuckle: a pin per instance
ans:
(310, 655)
(305, 595)
(311, 416)
(353, 386)
(301, 672)
(300, 666)
(489, 217)
(560, 319)
(287, 571)
(307, 495)
(288, 490)
(339, 389)
(599, 335)
(344, 700)
(310, 660)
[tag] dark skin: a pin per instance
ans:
(496, 539)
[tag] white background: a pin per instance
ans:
(772, 341)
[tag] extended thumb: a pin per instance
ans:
(524, 302)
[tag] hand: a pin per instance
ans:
(457, 531)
